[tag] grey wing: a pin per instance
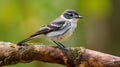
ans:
(50, 27)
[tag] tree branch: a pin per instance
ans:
(71, 57)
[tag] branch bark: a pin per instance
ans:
(71, 57)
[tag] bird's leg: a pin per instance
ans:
(58, 45)
(61, 44)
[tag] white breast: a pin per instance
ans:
(59, 36)
(67, 34)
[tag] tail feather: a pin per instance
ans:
(23, 41)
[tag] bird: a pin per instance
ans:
(59, 29)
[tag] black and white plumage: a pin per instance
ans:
(58, 30)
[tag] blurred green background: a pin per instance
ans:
(99, 30)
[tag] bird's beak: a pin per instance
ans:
(79, 17)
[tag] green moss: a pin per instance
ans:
(76, 54)
(12, 45)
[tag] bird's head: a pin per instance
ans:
(71, 14)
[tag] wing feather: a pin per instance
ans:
(50, 27)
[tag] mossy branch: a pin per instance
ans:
(71, 57)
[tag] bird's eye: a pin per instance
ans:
(70, 14)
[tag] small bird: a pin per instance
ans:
(59, 29)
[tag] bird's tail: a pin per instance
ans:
(21, 43)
